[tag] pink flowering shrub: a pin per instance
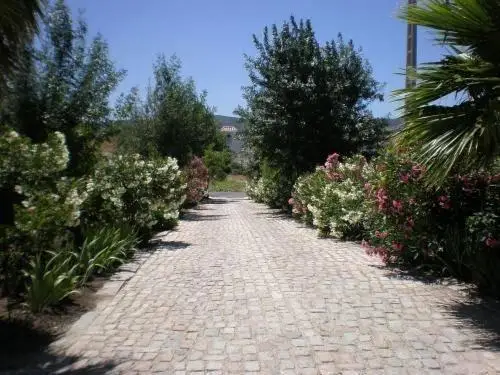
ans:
(196, 175)
(455, 228)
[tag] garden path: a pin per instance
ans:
(239, 288)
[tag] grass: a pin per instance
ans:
(231, 183)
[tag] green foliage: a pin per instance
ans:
(173, 121)
(332, 198)
(230, 183)
(51, 278)
(306, 99)
(272, 187)
(128, 189)
(18, 23)
(217, 162)
(454, 229)
(39, 208)
(464, 135)
(63, 85)
(103, 249)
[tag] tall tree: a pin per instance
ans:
(18, 23)
(306, 100)
(63, 84)
(174, 120)
(465, 133)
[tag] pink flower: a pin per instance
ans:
(368, 186)
(398, 206)
(405, 178)
(412, 201)
(381, 235)
(291, 201)
(381, 196)
(491, 242)
(397, 246)
(417, 171)
(332, 161)
(444, 202)
(410, 222)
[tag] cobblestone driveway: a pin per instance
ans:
(238, 289)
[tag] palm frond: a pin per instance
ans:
(466, 133)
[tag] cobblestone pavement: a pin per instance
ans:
(239, 289)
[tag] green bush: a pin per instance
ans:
(39, 209)
(272, 187)
(217, 162)
(127, 189)
(332, 198)
(454, 229)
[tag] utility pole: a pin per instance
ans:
(411, 49)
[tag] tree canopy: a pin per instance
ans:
(63, 84)
(173, 119)
(306, 100)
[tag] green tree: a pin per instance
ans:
(63, 85)
(174, 120)
(463, 135)
(306, 100)
(18, 23)
(217, 162)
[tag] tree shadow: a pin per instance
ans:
(209, 201)
(193, 216)
(416, 274)
(159, 244)
(25, 350)
(474, 311)
(482, 314)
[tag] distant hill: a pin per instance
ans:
(231, 126)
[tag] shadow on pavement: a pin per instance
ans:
(193, 216)
(475, 312)
(24, 350)
(482, 314)
(159, 244)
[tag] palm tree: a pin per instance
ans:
(463, 135)
(18, 22)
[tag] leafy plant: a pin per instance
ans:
(217, 162)
(103, 249)
(306, 99)
(332, 198)
(51, 278)
(196, 175)
(63, 84)
(463, 136)
(174, 120)
(128, 189)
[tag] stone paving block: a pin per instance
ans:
(239, 289)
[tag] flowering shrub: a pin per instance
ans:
(196, 176)
(129, 189)
(455, 228)
(38, 206)
(332, 197)
(272, 187)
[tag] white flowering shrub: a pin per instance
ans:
(272, 187)
(332, 198)
(38, 207)
(129, 189)
(30, 174)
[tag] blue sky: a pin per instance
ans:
(210, 38)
